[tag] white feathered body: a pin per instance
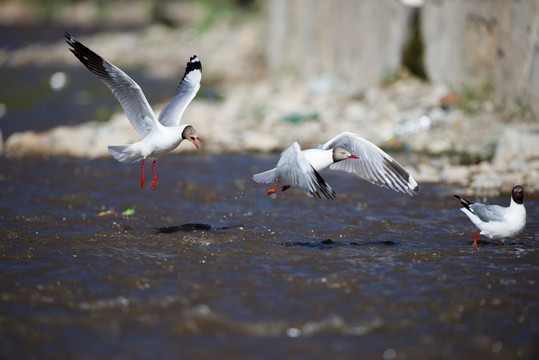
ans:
(511, 223)
(318, 158)
(160, 141)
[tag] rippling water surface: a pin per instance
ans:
(210, 267)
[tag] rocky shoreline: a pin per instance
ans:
(481, 149)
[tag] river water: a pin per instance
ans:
(208, 266)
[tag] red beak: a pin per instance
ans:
(353, 157)
(194, 141)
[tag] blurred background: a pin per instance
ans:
(450, 86)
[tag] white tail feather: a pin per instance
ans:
(124, 154)
(266, 177)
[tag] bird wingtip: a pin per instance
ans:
(69, 38)
(193, 65)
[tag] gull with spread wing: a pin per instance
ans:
(159, 135)
(347, 152)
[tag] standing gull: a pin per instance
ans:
(159, 135)
(495, 221)
(346, 151)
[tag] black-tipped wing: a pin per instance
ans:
(173, 110)
(484, 212)
(294, 169)
(464, 203)
(373, 165)
(128, 93)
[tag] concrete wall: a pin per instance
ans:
(466, 42)
(353, 39)
(477, 41)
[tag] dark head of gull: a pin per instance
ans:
(518, 194)
(190, 134)
(339, 154)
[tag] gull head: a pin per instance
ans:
(190, 134)
(340, 154)
(518, 194)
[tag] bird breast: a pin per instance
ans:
(318, 158)
(161, 141)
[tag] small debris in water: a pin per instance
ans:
(109, 212)
(112, 212)
(129, 212)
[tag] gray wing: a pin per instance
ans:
(488, 212)
(186, 91)
(126, 91)
(373, 165)
(294, 169)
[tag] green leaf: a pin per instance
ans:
(129, 212)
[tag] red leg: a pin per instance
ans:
(286, 187)
(154, 175)
(271, 191)
(475, 241)
(142, 177)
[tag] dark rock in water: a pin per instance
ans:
(382, 242)
(192, 227)
(387, 242)
(324, 244)
(329, 244)
(183, 227)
